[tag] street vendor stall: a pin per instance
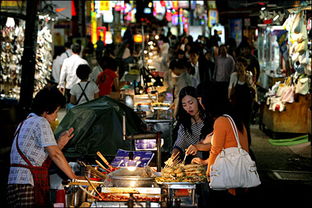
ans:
(110, 185)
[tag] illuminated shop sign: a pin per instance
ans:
(213, 17)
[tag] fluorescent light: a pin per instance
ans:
(276, 17)
(263, 8)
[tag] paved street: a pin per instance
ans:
(285, 171)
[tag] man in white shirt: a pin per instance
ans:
(68, 75)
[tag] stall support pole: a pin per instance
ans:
(29, 57)
(158, 144)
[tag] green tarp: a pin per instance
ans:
(98, 127)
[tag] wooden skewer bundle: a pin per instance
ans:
(173, 160)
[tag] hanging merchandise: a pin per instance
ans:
(43, 54)
(12, 47)
(296, 25)
(302, 84)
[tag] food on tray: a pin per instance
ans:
(125, 197)
(183, 173)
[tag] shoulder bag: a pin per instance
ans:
(233, 167)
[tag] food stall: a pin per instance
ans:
(135, 186)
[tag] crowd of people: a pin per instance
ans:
(208, 81)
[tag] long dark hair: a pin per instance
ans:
(208, 122)
(215, 101)
(182, 116)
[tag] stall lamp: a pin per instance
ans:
(145, 51)
(156, 37)
(276, 17)
(263, 8)
(131, 168)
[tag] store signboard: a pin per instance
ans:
(104, 6)
(236, 30)
(159, 10)
(175, 19)
(213, 17)
(63, 9)
(139, 158)
(108, 16)
(18, 7)
(184, 4)
(175, 5)
(212, 5)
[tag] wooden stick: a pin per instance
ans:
(102, 166)
(104, 160)
(96, 172)
(94, 188)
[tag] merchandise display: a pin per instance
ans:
(12, 47)
(43, 54)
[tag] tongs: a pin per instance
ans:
(185, 155)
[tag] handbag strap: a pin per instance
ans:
(234, 129)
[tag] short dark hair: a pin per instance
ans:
(67, 45)
(83, 71)
(76, 48)
(180, 64)
(47, 100)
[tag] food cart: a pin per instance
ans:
(108, 186)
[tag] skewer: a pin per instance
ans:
(94, 188)
(102, 166)
(104, 160)
(96, 172)
(172, 161)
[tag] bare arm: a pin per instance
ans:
(116, 83)
(96, 95)
(59, 159)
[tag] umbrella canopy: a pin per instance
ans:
(98, 127)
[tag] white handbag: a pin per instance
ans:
(233, 167)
